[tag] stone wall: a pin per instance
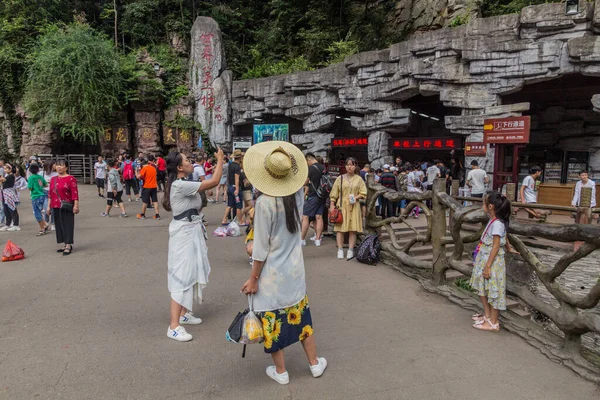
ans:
(35, 139)
(147, 127)
(470, 67)
(183, 140)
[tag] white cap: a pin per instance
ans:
(386, 166)
(393, 169)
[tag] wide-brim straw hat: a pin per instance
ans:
(276, 168)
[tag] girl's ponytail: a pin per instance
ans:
(502, 207)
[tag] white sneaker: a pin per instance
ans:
(129, 200)
(318, 242)
(303, 243)
(350, 254)
(14, 229)
(317, 370)
(105, 215)
(189, 319)
(179, 334)
(282, 379)
(52, 228)
(313, 238)
(340, 255)
(4, 228)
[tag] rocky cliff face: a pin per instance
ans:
(472, 68)
(425, 15)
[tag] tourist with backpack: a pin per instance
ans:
(316, 195)
(129, 178)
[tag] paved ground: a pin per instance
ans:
(93, 326)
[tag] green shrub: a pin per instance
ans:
(75, 81)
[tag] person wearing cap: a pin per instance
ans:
(188, 266)
(277, 282)
(234, 190)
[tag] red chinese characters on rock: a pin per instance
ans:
(428, 143)
(207, 99)
(350, 142)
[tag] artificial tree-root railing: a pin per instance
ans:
(570, 317)
(400, 251)
(575, 314)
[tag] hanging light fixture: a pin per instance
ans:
(572, 7)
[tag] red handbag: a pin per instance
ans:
(335, 214)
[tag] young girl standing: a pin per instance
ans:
(489, 273)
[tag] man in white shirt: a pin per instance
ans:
(432, 172)
(477, 179)
(198, 174)
(100, 175)
(529, 191)
(581, 216)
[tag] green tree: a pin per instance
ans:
(75, 81)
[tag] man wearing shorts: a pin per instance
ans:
(114, 191)
(314, 206)
(234, 187)
(100, 175)
(150, 188)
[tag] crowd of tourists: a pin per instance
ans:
(278, 193)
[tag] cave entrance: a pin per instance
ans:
(426, 137)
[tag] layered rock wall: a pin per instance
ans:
(470, 67)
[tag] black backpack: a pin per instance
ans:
(325, 185)
(369, 249)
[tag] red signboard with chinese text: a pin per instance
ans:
(475, 149)
(507, 130)
(425, 144)
(350, 142)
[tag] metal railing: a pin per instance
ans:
(81, 166)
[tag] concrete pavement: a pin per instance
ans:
(93, 326)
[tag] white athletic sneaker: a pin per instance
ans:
(303, 243)
(340, 254)
(52, 227)
(4, 228)
(179, 334)
(350, 254)
(14, 229)
(105, 215)
(317, 370)
(282, 379)
(189, 319)
(313, 238)
(318, 242)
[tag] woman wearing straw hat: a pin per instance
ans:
(188, 266)
(279, 170)
(347, 190)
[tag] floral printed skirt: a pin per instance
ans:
(495, 287)
(286, 326)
